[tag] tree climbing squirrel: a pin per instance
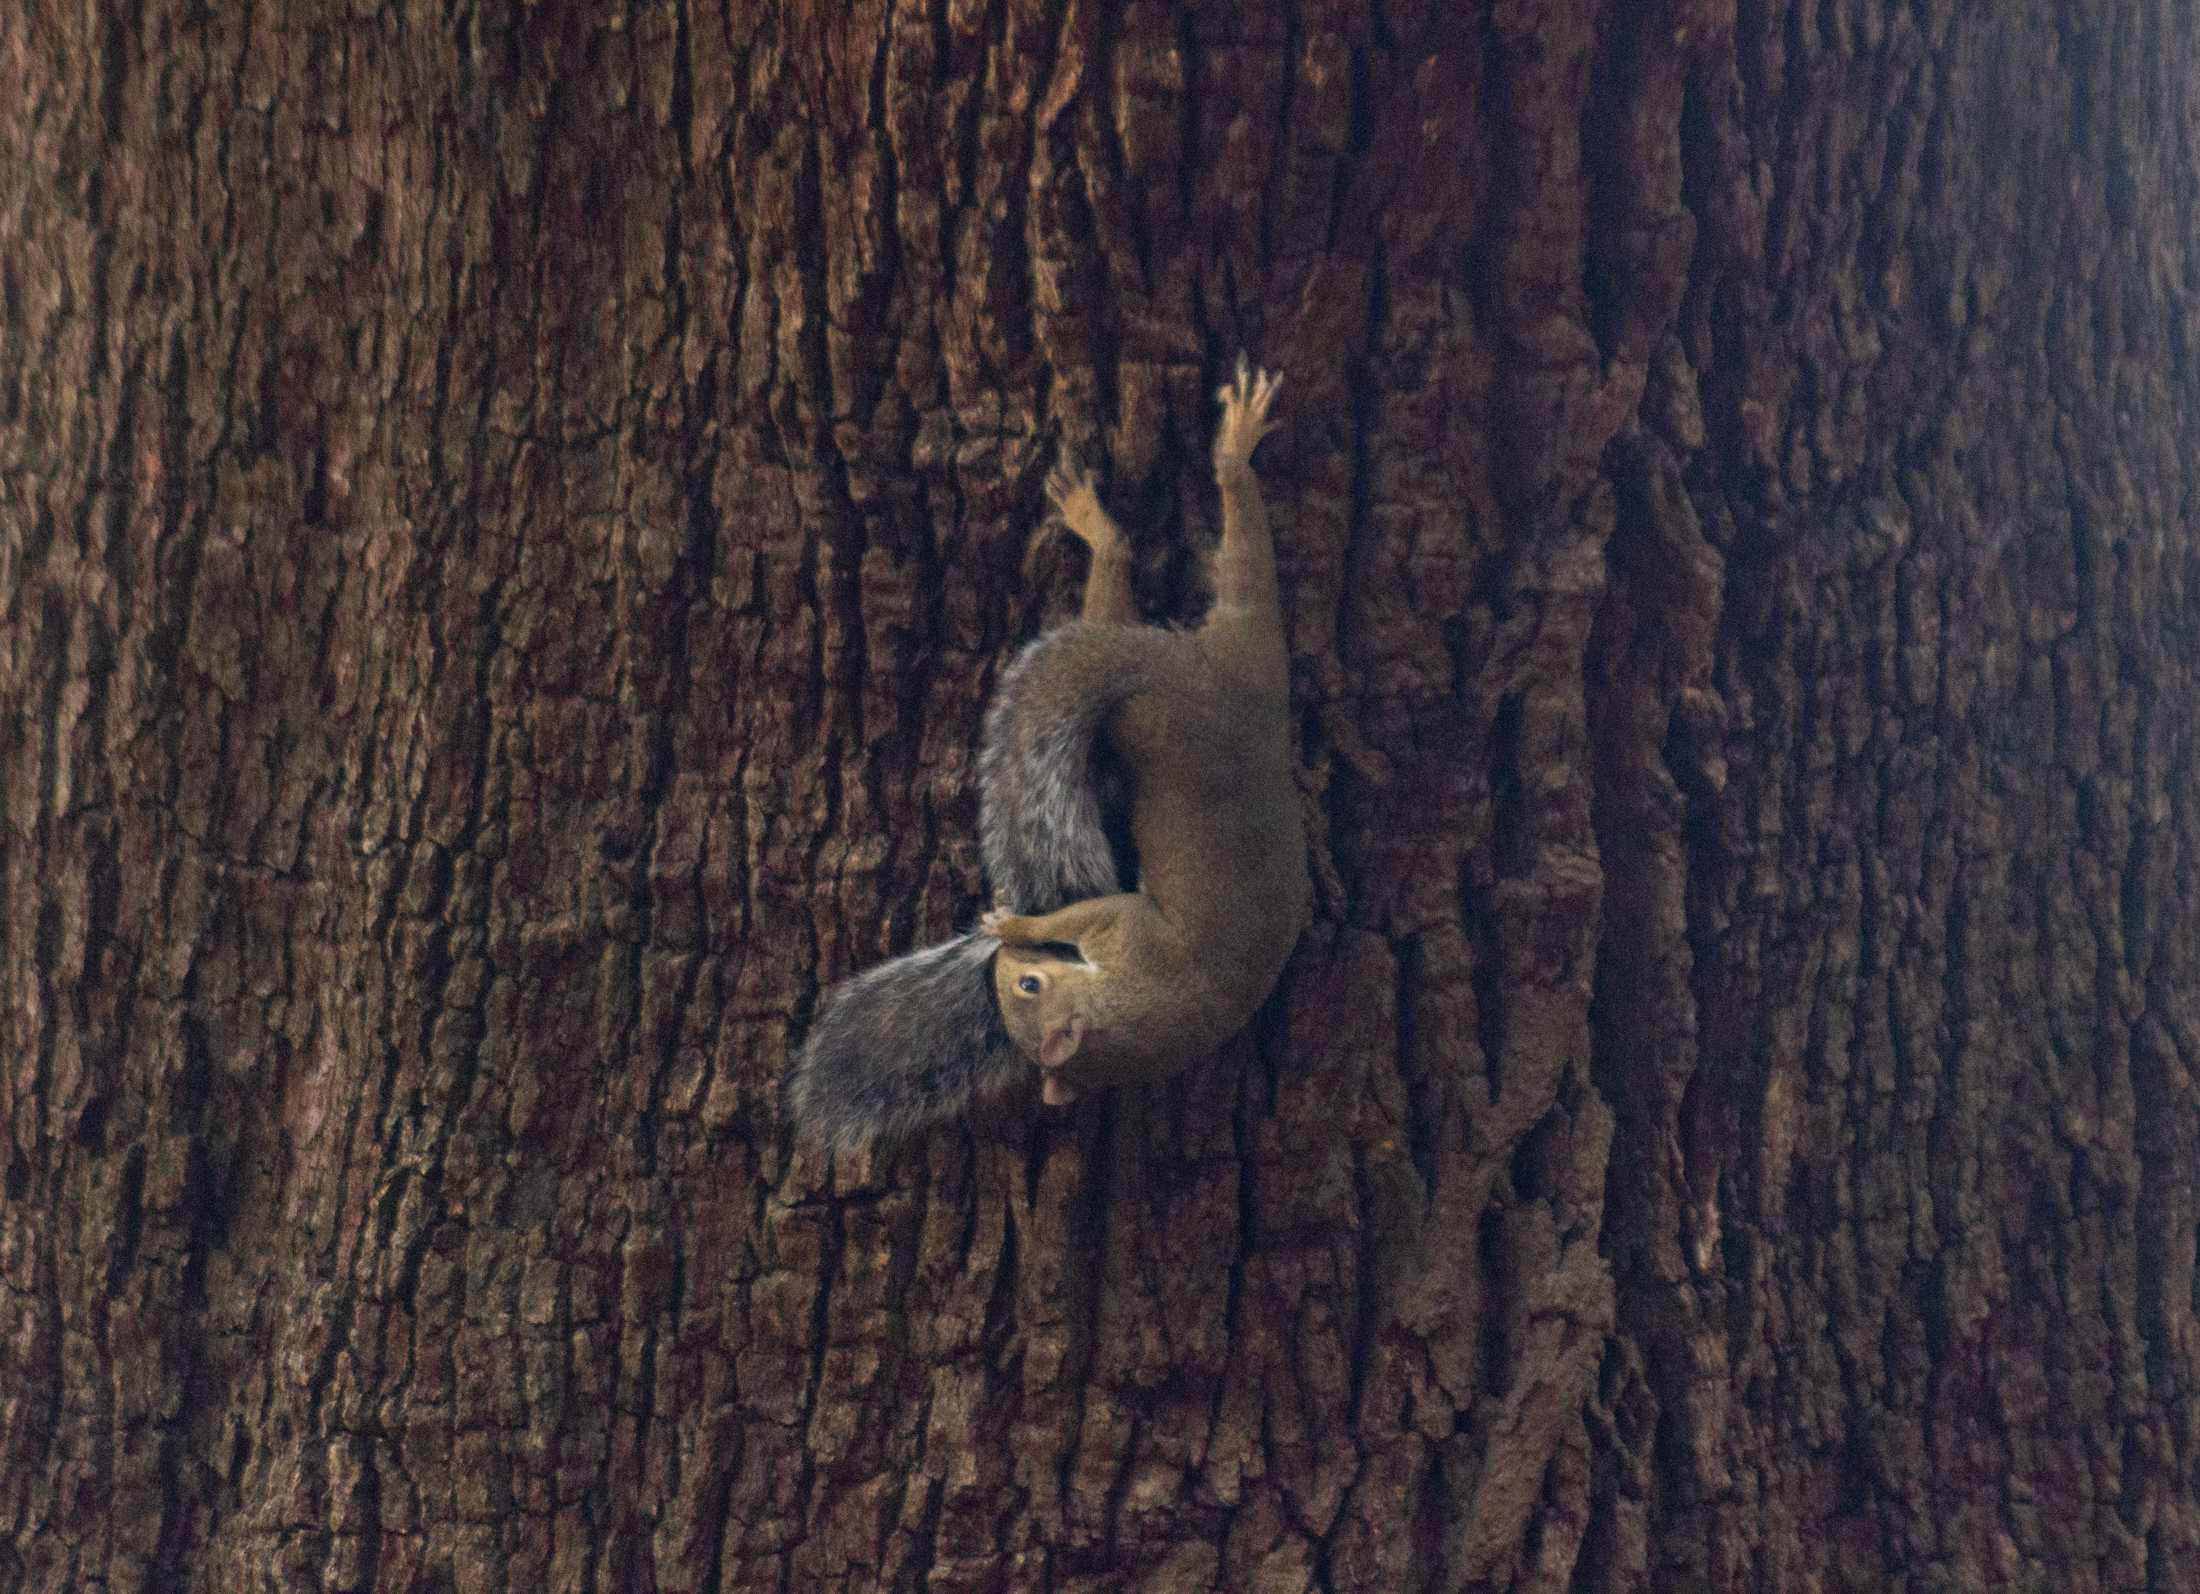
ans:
(1095, 984)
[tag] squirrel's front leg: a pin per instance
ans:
(1070, 926)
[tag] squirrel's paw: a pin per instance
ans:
(992, 919)
(1077, 502)
(1068, 481)
(1245, 399)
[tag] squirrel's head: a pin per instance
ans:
(1046, 1004)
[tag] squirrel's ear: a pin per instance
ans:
(1058, 1046)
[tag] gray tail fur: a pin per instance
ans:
(901, 1046)
(1039, 820)
(919, 1039)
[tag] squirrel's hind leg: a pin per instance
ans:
(1247, 619)
(1108, 598)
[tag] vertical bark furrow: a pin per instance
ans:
(1915, 797)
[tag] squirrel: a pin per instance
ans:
(1093, 982)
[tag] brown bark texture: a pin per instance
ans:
(509, 515)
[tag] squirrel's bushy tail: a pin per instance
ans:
(898, 1047)
(919, 1038)
(1039, 822)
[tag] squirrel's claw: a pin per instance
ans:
(1064, 483)
(1077, 508)
(1067, 480)
(1245, 399)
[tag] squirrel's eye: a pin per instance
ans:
(1029, 984)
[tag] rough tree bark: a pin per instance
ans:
(509, 513)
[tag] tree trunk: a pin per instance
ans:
(508, 519)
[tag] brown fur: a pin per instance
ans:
(1139, 984)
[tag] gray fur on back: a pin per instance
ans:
(919, 1039)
